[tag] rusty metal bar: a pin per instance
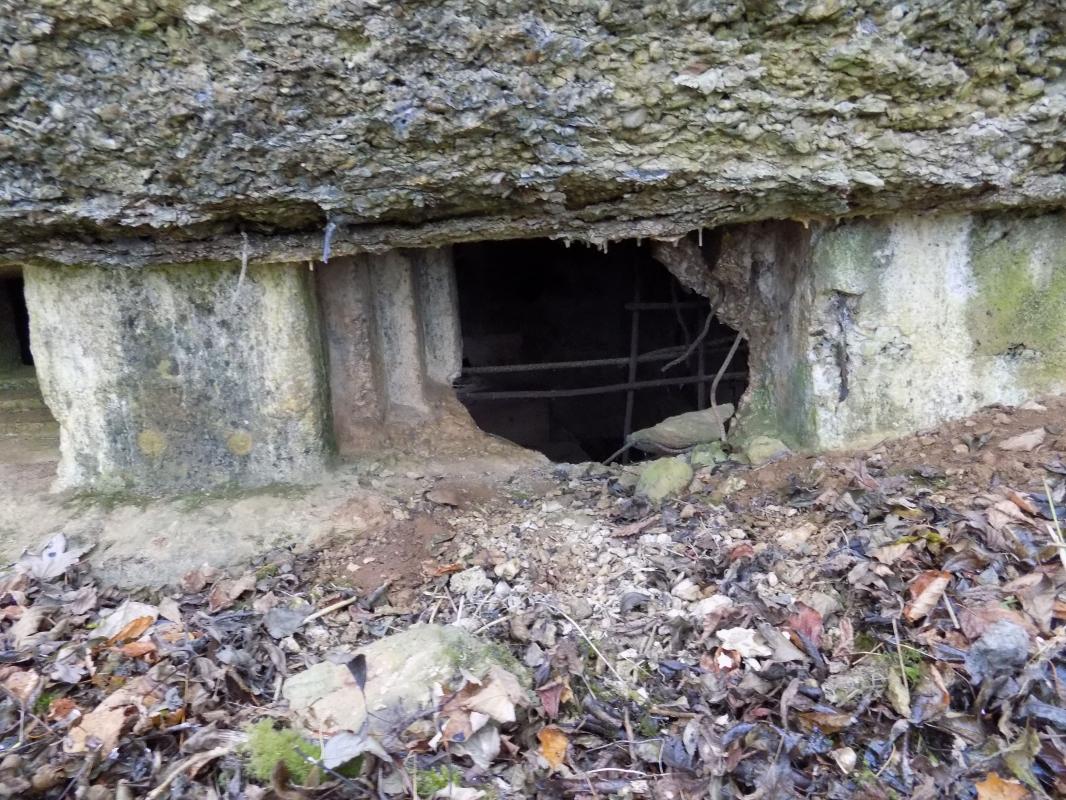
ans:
(621, 361)
(542, 394)
(634, 356)
(650, 306)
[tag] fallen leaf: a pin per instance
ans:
(137, 649)
(845, 759)
(103, 726)
(553, 744)
(225, 593)
(53, 560)
(498, 696)
(743, 641)
(926, 591)
(805, 620)
(553, 695)
(1024, 442)
(899, 696)
(891, 553)
(993, 787)
(22, 685)
(127, 622)
(196, 580)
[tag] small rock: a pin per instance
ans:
(470, 581)
(1032, 405)
(686, 590)
(577, 607)
(764, 449)
(1024, 442)
(710, 605)
(508, 570)
(663, 478)
(795, 539)
(634, 119)
(707, 455)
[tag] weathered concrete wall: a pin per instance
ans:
(899, 324)
(125, 124)
(170, 379)
(391, 324)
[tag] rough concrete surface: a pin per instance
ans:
(154, 132)
(917, 320)
(164, 379)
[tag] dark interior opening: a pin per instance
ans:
(538, 302)
(14, 321)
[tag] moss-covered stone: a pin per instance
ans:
(663, 478)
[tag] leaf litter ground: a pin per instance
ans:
(882, 624)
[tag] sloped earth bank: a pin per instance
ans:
(883, 624)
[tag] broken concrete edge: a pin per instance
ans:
(605, 226)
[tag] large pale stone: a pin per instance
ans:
(402, 672)
(171, 379)
(903, 323)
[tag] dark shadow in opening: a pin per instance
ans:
(15, 322)
(536, 302)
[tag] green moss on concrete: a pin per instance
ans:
(1019, 268)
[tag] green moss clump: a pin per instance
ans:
(432, 781)
(267, 745)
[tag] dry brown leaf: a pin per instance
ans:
(22, 684)
(137, 649)
(926, 591)
(196, 580)
(891, 553)
(134, 630)
(225, 593)
(553, 744)
(993, 787)
(498, 696)
(104, 724)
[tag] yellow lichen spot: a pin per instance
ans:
(151, 442)
(239, 443)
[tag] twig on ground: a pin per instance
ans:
(194, 761)
(330, 609)
(1055, 529)
(588, 641)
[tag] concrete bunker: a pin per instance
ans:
(179, 377)
(567, 349)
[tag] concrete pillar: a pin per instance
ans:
(169, 379)
(901, 323)
(391, 325)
